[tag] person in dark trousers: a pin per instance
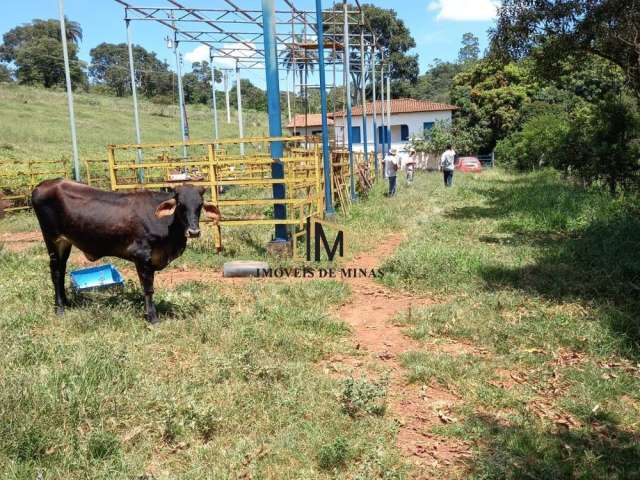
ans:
(447, 164)
(391, 164)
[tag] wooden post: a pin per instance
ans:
(217, 232)
(111, 157)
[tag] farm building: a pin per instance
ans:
(409, 118)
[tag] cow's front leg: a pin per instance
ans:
(58, 255)
(146, 274)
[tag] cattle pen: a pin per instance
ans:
(274, 180)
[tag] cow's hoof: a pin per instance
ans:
(59, 311)
(153, 320)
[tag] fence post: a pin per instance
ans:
(112, 167)
(319, 196)
(217, 232)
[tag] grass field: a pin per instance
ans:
(538, 280)
(534, 328)
(34, 123)
(539, 284)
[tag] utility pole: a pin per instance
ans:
(239, 97)
(67, 75)
(214, 105)
(183, 113)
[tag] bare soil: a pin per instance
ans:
(18, 242)
(417, 408)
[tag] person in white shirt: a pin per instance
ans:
(409, 165)
(447, 164)
(391, 162)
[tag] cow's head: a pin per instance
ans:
(186, 205)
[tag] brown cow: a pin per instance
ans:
(148, 228)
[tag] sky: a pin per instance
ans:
(436, 25)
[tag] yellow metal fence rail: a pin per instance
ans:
(241, 187)
(19, 178)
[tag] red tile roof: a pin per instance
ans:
(403, 105)
(312, 120)
(399, 105)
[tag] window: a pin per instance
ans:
(383, 138)
(427, 126)
(355, 135)
(404, 133)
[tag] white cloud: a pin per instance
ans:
(198, 54)
(464, 10)
(234, 50)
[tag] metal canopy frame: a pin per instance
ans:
(235, 34)
(259, 39)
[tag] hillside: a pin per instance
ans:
(34, 123)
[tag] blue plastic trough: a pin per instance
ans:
(103, 276)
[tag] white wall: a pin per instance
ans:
(304, 132)
(415, 122)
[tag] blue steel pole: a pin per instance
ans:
(347, 80)
(375, 115)
(329, 211)
(363, 77)
(275, 118)
(383, 136)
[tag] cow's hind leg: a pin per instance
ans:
(59, 250)
(146, 274)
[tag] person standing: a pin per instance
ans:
(391, 170)
(447, 164)
(409, 164)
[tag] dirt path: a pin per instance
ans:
(417, 408)
(17, 242)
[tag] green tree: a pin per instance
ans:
(464, 138)
(36, 51)
(604, 142)
(470, 50)
(607, 28)
(493, 97)
(541, 142)
(197, 83)
(436, 83)
(6, 76)
(300, 60)
(253, 98)
(110, 67)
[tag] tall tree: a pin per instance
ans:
(299, 59)
(436, 83)
(36, 51)
(197, 83)
(470, 50)
(493, 97)
(607, 28)
(253, 98)
(110, 67)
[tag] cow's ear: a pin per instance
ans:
(201, 190)
(212, 212)
(166, 208)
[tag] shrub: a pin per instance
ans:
(362, 397)
(541, 142)
(333, 455)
